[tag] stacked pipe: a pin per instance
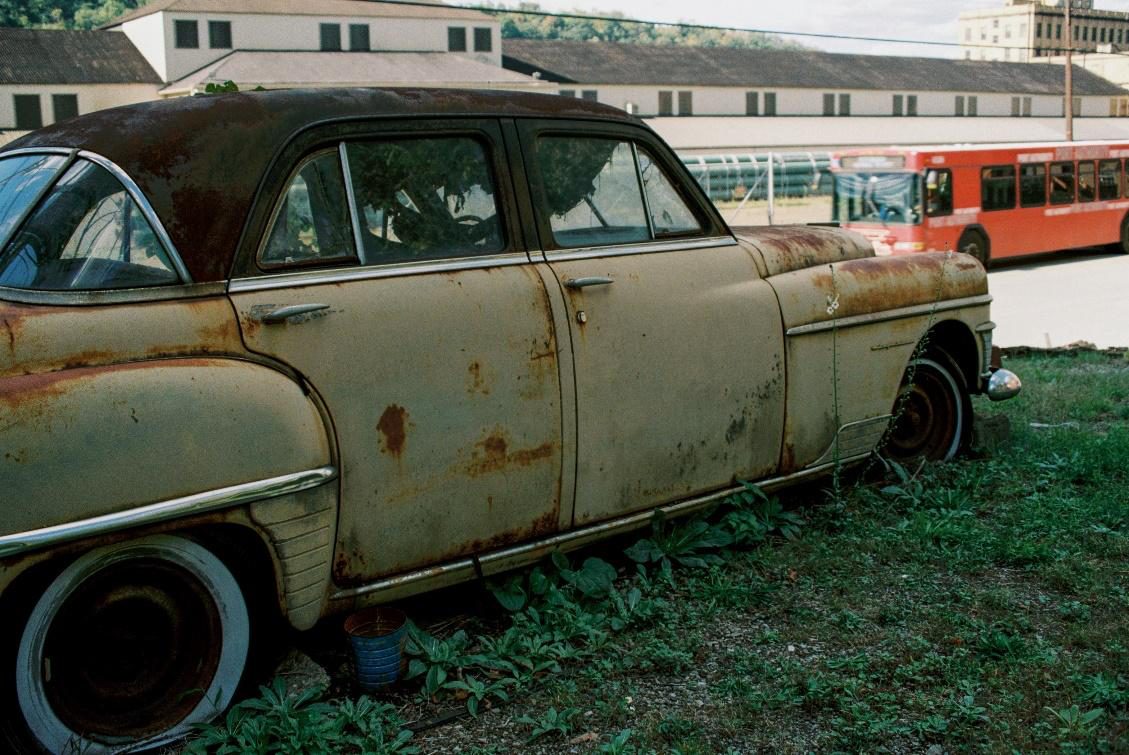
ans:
(727, 178)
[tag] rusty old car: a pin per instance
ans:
(270, 356)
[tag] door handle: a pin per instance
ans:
(282, 314)
(594, 280)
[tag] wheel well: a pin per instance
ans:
(958, 342)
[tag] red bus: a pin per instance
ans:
(991, 201)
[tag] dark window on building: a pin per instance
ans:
(568, 93)
(1087, 181)
(971, 105)
(219, 35)
(64, 106)
(770, 103)
(483, 39)
(1062, 183)
(938, 192)
(28, 114)
(330, 36)
(844, 104)
(958, 105)
(1058, 31)
(1109, 179)
(1032, 185)
(1038, 30)
(1102, 36)
(911, 104)
(1077, 105)
(1027, 106)
(456, 39)
(685, 103)
(588, 94)
(997, 187)
(752, 103)
(358, 37)
(829, 104)
(1015, 106)
(897, 104)
(666, 103)
(187, 34)
(1077, 31)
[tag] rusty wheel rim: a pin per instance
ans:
(931, 417)
(132, 650)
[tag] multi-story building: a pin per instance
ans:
(1026, 30)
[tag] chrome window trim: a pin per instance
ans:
(643, 191)
(146, 210)
(892, 314)
(351, 198)
(313, 277)
(113, 295)
(644, 247)
(70, 158)
(468, 567)
(38, 151)
(163, 511)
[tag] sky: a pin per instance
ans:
(932, 20)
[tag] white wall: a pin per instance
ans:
(90, 97)
(157, 41)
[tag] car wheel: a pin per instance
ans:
(1123, 244)
(932, 415)
(130, 646)
(975, 244)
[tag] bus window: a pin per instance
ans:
(938, 192)
(997, 187)
(1109, 179)
(1087, 185)
(1032, 185)
(1062, 183)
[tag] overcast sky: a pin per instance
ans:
(933, 20)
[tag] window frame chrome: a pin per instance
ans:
(655, 246)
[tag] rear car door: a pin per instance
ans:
(394, 278)
(677, 342)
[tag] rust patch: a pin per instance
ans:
(736, 428)
(392, 427)
(492, 454)
(477, 383)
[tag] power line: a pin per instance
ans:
(714, 27)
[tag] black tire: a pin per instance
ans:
(932, 414)
(132, 642)
(1123, 244)
(975, 244)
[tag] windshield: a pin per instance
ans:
(886, 198)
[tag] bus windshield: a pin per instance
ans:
(886, 198)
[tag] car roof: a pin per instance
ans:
(200, 160)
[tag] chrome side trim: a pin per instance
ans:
(146, 210)
(854, 438)
(175, 508)
(464, 569)
(892, 314)
(351, 197)
(23, 216)
(354, 273)
(113, 295)
(646, 247)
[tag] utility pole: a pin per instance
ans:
(1069, 76)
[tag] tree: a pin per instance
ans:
(63, 14)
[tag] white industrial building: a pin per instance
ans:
(699, 98)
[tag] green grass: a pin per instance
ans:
(981, 605)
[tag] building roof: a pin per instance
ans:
(657, 65)
(306, 68)
(374, 8)
(67, 56)
(200, 160)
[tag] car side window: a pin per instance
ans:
(670, 216)
(21, 180)
(424, 199)
(311, 223)
(86, 234)
(591, 188)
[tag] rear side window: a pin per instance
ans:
(1032, 185)
(997, 187)
(21, 181)
(1062, 183)
(86, 234)
(670, 216)
(311, 223)
(424, 199)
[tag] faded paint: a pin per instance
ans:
(784, 248)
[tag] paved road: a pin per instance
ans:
(1062, 298)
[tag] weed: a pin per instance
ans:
(549, 722)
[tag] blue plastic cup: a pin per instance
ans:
(377, 637)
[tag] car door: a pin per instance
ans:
(394, 279)
(677, 342)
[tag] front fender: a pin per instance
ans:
(85, 442)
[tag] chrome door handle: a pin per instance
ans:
(595, 280)
(282, 314)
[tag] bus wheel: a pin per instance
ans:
(975, 244)
(1124, 245)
